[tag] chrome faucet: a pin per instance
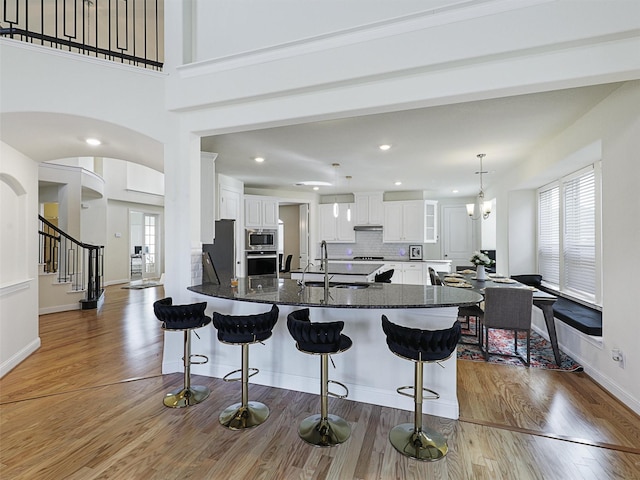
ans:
(301, 281)
(325, 264)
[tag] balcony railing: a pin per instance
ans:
(125, 31)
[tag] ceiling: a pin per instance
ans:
(432, 149)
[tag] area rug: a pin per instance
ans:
(501, 341)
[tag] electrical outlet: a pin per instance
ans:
(617, 356)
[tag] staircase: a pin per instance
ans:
(71, 272)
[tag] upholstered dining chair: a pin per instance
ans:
(384, 277)
(435, 279)
(507, 309)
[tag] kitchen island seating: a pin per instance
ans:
(384, 277)
(420, 346)
(244, 330)
(507, 309)
(184, 318)
(324, 339)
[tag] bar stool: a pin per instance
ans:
(324, 339)
(184, 318)
(419, 346)
(244, 330)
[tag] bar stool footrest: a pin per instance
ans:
(324, 432)
(200, 362)
(253, 371)
(336, 395)
(185, 397)
(239, 417)
(426, 444)
(401, 391)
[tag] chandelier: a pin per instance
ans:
(485, 206)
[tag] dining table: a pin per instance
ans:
(543, 300)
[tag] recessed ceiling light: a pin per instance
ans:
(454, 191)
(316, 188)
(398, 183)
(385, 147)
(93, 142)
(259, 159)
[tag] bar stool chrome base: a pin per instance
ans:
(185, 397)
(324, 432)
(426, 444)
(239, 417)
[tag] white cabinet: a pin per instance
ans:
(397, 272)
(430, 221)
(413, 273)
(369, 208)
(260, 212)
(408, 273)
(336, 230)
(403, 221)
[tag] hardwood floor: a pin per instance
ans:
(88, 405)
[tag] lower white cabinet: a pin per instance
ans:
(413, 274)
(407, 273)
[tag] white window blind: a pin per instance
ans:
(549, 236)
(579, 245)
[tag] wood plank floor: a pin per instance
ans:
(88, 405)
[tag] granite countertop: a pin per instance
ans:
(344, 269)
(376, 295)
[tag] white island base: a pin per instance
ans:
(369, 369)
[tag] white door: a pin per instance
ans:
(304, 235)
(457, 235)
(150, 247)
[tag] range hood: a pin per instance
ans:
(368, 228)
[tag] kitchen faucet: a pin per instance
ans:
(325, 264)
(301, 281)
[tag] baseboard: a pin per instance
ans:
(604, 381)
(59, 308)
(16, 359)
(116, 282)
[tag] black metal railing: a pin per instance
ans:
(128, 31)
(80, 264)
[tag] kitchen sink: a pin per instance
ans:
(353, 285)
(336, 284)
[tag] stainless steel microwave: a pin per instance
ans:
(261, 239)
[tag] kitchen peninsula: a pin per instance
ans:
(371, 372)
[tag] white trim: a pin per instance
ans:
(59, 308)
(18, 357)
(81, 57)
(461, 11)
(15, 286)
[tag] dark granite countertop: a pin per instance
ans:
(376, 295)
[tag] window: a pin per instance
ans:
(568, 236)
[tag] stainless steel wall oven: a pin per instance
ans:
(262, 263)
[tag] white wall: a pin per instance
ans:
(19, 271)
(615, 125)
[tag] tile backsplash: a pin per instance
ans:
(369, 244)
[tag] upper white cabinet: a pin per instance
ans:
(369, 208)
(334, 229)
(403, 221)
(430, 221)
(260, 212)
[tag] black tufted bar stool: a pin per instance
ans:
(420, 346)
(324, 339)
(184, 318)
(244, 330)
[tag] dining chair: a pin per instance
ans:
(435, 279)
(507, 309)
(287, 265)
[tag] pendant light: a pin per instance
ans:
(348, 177)
(485, 207)
(336, 207)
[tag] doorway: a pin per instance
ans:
(144, 244)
